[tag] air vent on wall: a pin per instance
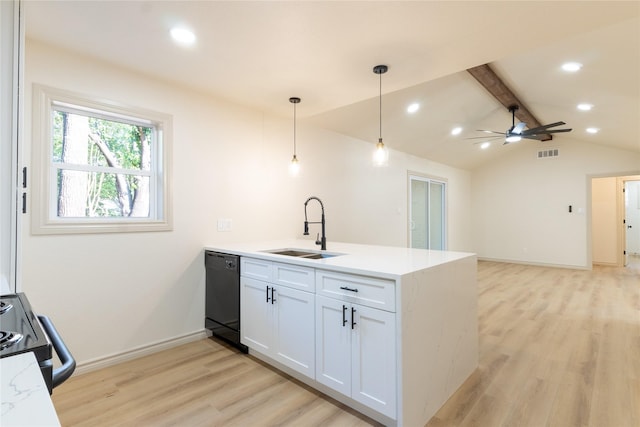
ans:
(552, 152)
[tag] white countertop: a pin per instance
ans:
(384, 261)
(24, 394)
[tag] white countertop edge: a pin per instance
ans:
(25, 397)
(382, 261)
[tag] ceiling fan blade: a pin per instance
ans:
(539, 137)
(489, 131)
(488, 137)
(557, 130)
(539, 129)
(542, 136)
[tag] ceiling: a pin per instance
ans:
(259, 54)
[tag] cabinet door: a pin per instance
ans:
(294, 329)
(373, 359)
(256, 314)
(333, 344)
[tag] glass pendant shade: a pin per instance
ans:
(294, 166)
(380, 154)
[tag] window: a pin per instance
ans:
(99, 166)
(427, 213)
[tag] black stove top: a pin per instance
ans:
(20, 330)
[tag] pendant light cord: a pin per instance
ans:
(294, 101)
(380, 70)
(294, 129)
(380, 135)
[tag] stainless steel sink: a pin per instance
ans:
(301, 253)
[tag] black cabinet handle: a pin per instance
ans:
(273, 298)
(353, 323)
(267, 293)
(344, 315)
(348, 289)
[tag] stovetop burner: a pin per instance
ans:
(5, 306)
(20, 329)
(8, 338)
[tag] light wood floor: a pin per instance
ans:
(557, 348)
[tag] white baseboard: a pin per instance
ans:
(114, 359)
(536, 264)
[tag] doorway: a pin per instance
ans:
(615, 220)
(427, 212)
(632, 221)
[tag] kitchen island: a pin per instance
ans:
(389, 331)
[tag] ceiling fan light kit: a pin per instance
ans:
(512, 138)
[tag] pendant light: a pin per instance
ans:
(294, 166)
(381, 153)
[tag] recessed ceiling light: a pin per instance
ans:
(183, 36)
(485, 145)
(571, 67)
(585, 107)
(456, 130)
(593, 130)
(413, 107)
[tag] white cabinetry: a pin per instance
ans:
(355, 343)
(390, 332)
(277, 320)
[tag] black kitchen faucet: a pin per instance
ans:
(322, 241)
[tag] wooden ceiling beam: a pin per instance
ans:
(496, 87)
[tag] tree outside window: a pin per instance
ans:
(81, 141)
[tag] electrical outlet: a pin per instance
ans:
(224, 224)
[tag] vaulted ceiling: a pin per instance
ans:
(261, 53)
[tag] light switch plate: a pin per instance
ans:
(224, 224)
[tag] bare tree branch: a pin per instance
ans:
(124, 195)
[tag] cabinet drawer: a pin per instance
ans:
(369, 291)
(256, 268)
(294, 276)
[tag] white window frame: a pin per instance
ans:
(44, 219)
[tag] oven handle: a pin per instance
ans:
(62, 373)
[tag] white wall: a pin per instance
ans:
(369, 205)
(111, 293)
(520, 203)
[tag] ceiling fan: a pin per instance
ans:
(517, 131)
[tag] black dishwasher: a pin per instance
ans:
(222, 299)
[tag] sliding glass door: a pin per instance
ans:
(427, 213)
